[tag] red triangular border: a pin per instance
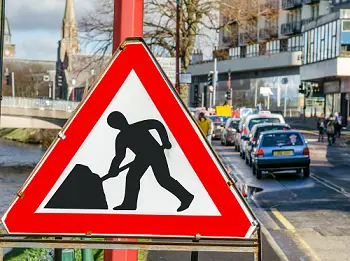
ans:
(236, 218)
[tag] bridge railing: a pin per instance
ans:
(37, 103)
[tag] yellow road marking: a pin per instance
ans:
(282, 219)
(291, 228)
(275, 225)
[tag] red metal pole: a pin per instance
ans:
(128, 22)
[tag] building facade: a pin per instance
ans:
(292, 43)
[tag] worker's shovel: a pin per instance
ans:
(116, 174)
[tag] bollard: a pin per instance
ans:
(87, 254)
(68, 255)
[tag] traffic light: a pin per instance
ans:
(210, 79)
(8, 79)
(196, 96)
(229, 94)
(316, 88)
(301, 89)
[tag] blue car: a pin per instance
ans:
(279, 151)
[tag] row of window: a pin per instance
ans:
(322, 42)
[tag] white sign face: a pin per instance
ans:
(99, 149)
(168, 65)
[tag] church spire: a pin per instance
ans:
(69, 13)
(69, 36)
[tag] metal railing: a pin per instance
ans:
(309, 2)
(38, 103)
(291, 4)
(291, 28)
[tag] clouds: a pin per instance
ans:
(36, 25)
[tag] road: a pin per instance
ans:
(307, 219)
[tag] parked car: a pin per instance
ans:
(279, 151)
(218, 124)
(229, 131)
(255, 133)
(251, 120)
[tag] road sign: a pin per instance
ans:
(123, 166)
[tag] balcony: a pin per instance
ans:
(291, 28)
(268, 33)
(229, 40)
(291, 4)
(247, 38)
(309, 2)
(306, 21)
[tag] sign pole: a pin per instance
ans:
(177, 46)
(128, 22)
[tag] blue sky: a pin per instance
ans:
(36, 25)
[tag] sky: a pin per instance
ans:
(36, 25)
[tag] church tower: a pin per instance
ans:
(68, 46)
(9, 48)
(69, 34)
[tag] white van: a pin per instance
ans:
(251, 120)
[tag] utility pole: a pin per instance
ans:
(177, 83)
(2, 29)
(13, 84)
(229, 87)
(215, 80)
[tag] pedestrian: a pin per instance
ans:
(330, 129)
(205, 125)
(339, 119)
(148, 153)
(321, 129)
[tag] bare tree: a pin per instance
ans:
(28, 80)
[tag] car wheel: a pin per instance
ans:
(306, 172)
(258, 174)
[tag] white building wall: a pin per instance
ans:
(325, 8)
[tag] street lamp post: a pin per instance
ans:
(2, 21)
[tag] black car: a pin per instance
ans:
(255, 133)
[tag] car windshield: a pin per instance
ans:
(234, 124)
(262, 120)
(218, 119)
(270, 128)
(282, 139)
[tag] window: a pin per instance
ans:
(262, 120)
(312, 39)
(282, 140)
(317, 48)
(334, 33)
(305, 51)
(326, 42)
(321, 50)
(330, 41)
(346, 25)
(337, 47)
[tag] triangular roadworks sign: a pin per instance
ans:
(131, 161)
